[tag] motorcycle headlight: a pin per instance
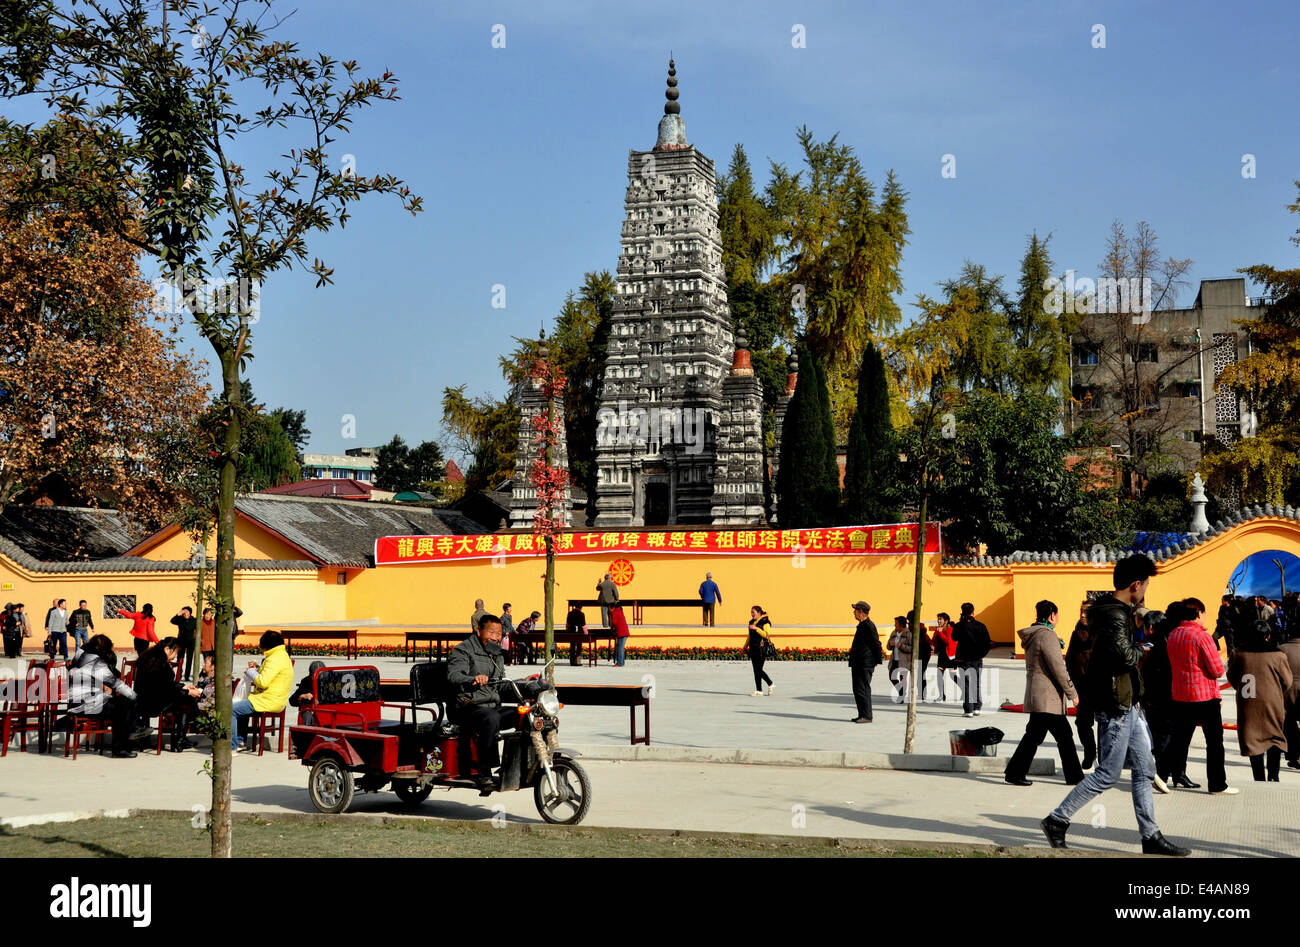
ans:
(548, 702)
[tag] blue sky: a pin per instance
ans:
(520, 154)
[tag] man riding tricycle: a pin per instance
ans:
(485, 733)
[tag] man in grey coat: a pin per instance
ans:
(1047, 687)
(477, 708)
(608, 596)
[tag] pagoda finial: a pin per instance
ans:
(671, 107)
(672, 129)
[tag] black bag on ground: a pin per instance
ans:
(985, 736)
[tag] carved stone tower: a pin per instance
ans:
(670, 344)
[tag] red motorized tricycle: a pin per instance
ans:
(349, 747)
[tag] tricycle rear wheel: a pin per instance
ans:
(570, 806)
(408, 792)
(329, 785)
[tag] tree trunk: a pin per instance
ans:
(224, 601)
(549, 593)
(910, 733)
(197, 665)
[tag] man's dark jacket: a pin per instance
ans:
(468, 660)
(185, 628)
(1112, 682)
(972, 639)
(866, 651)
(78, 615)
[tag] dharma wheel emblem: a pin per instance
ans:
(621, 571)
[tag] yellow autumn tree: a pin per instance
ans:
(92, 385)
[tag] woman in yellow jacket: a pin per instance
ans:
(271, 687)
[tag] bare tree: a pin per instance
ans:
(1135, 358)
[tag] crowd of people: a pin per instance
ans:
(1142, 681)
(98, 686)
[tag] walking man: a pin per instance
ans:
(56, 626)
(1114, 689)
(711, 596)
(864, 655)
(83, 624)
(973, 643)
(479, 612)
(1047, 687)
(608, 596)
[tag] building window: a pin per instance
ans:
(1193, 437)
(1143, 352)
(1086, 354)
(340, 578)
(1088, 398)
(1189, 389)
(622, 475)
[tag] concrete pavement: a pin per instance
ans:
(702, 707)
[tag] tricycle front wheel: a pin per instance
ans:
(409, 793)
(330, 786)
(569, 805)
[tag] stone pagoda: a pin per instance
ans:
(662, 454)
(523, 495)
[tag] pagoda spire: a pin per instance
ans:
(671, 107)
(672, 129)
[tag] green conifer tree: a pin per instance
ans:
(802, 450)
(827, 483)
(869, 467)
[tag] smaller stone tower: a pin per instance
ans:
(738, 476)
(523, 496)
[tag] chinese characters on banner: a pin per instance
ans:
(888, 540)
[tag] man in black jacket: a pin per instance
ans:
(864, 654)
(972, 639)
(1114, 689)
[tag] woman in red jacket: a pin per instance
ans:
(142, 631)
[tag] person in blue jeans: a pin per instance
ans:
(711, 597)
(82, 624)
(1114, 689)
(618, 622)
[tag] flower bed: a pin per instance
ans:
(633, 653)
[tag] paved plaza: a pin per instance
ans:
(704, 708)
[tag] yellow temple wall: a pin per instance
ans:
(808, 598)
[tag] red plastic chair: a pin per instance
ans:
(20, 714)
(78, 727)
(52, 694)
(270, 722)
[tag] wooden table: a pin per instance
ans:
(348, 634)
(593, 637)
(639, 605)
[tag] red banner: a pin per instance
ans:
(886, 540)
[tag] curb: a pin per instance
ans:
(22, 821)
(835, 759)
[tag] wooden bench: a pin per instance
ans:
(443, 640)
(317, 634)
(630, 696)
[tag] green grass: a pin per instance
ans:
(172, 835)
